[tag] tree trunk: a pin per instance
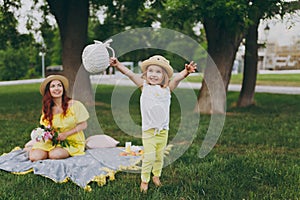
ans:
(72, 18)
(246, 97)
(222, 48)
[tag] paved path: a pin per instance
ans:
(122, 80)
(18, 82)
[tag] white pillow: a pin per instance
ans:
(100, 141)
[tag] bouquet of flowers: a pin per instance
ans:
(43, 133)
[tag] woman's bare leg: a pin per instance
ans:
(37, 154)
(58, 153)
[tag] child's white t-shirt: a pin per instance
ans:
(155, 107)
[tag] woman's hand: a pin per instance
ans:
(61, 136)
(79, 127)
(191, 67)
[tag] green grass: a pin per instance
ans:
(256, 156)
(262, 79)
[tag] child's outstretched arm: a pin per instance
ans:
(189, 68)
(127, 72)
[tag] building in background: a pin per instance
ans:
(275, 57)
(272, 56)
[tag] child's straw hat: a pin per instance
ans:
(159, 61)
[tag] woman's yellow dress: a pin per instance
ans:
(76, 113)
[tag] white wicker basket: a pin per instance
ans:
(95, 57)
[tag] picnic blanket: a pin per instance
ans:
(96, 165)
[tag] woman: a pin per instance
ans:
(66, 116)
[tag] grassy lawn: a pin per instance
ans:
(262, 79)
(256, 156)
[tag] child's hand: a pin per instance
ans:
(191, 67)
(113, 62)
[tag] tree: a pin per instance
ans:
(17, 51)
(251, 56)
(8, 23)
(13, 64)
(51, 43)
(123, 15)
(257, 11)
(72, 19)
(225, 23)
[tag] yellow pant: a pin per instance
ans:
(154, 146)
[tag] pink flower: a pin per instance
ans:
(48, 136)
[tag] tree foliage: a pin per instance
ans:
(13, 64)
(120, 16)
(8, 25)
(18, 53)
(258, 10)
(225, 22)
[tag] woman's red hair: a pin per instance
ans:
(48, 103)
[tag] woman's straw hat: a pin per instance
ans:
(159, 61)
(50, 78)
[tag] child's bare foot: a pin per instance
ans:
(156, 181)
(144, 187)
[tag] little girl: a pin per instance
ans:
(155, 102)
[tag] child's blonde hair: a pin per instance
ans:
(165, 81)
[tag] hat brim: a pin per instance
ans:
(165, 66)
(50, 78)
